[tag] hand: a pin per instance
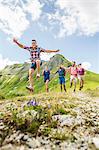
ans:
(57, 50)
(14, 40)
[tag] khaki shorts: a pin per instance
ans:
(80, 77)
(73, 77)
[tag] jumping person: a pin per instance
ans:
(73, 75)
(46, 74)
(35, 59)
(61, 71)
(81, 73)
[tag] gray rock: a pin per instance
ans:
(25, 137)
(64, 120)
(33, 143)
(19, 137)
(96, 142)
(7, 147)
(2, 127)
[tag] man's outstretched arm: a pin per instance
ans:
(19, 44)
(49, 51)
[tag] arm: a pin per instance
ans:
(19, 44)
(49, 51)
(43, 73)
(56, 72)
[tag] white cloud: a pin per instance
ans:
(34, 8)
(86, 65)
(46, 56)
(69, 17)
(13, 15)
(79, 17)
(5, 61)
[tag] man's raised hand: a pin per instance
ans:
(14, 40)
(57, 50)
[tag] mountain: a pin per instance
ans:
(14, 78)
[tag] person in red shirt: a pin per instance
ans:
(73, 75)
(35, 59)
(81, 73)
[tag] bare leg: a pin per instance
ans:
(38, 67)
(47, 85)
(71, 83)
(61, 87)
(82, 83)
(31, 71)
(64, 88)
(75, 85)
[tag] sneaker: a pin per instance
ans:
(38, 75)
(30, 88)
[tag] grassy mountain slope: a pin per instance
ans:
(13, 79)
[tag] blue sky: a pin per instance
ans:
(54, 25)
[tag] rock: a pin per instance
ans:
(96, 142)
(64, 120)
(19, 137)
(33, 143)
(25, 137)
(7, 147)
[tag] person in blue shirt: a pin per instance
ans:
(46, 74)
(61, 72)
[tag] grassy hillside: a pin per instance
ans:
(13, 79)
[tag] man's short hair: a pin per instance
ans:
(74, 62)
(33, 40)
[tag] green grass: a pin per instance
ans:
(14, 79)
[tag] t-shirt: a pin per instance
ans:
(61, 72)
(35, 54)
(81, 71)
(73, 70)
(46, 74)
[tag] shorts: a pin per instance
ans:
(61, 80)
(46, 79)
(33, 65)
(80, 77)
(73, 77)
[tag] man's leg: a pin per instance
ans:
(75, 81)
(31, 71)
(38, 67)
(82, 82)
(71, 81)
(47, 85)
(61, 87)
(64, 87)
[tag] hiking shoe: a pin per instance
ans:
(74, 90)
(29, 88)
(38, 75)
(80, 88)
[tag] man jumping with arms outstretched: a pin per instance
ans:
(35, 59)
